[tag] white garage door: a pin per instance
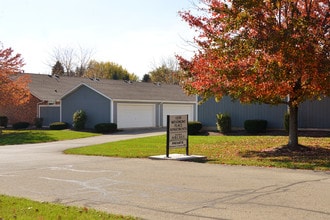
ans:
(177, 109)
(136, 115)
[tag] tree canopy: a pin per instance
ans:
(108, 70)
(271, 51)
(164, 74)
(13, 86)
(167, 72)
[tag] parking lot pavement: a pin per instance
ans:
(157, 189)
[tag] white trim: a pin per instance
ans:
(57, 105)
(160, 109)
(61, 115)
(111, 111)
(153, 101)
(196, 109)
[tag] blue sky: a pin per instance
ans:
(136, 34)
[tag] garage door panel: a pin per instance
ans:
(136, 115)
(177, 109)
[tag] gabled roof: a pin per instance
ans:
(51, 88)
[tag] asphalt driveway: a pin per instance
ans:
(153, 189)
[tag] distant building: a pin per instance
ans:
(129, 104)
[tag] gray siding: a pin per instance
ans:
(96, 106)
(240, 112)
(312, 114)
(50, 114)
(315, 114)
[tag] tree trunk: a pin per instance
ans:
(293, 127)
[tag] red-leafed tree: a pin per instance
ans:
(270, 51)
(13, 85)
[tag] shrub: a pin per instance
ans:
(105, 127)
(3, 121)
(21, 125)
(79, 120)
(223, 123)
(287, 122)
(38, 122)
(58, 126)
(194, 127)
(255, 126)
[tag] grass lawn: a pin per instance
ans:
(233, 150)
(19, 208)
(9, 137)
(236, 149)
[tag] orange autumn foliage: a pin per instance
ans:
(270, 51)
(13, 85)
(260, 51)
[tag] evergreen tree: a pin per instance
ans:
(146, 78)
(58, 69)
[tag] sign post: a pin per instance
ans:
(177, 133)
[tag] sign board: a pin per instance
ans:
(177, 132)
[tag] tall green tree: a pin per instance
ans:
(270, 51)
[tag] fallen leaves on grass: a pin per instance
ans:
(308, 157)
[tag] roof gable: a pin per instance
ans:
(78, 87)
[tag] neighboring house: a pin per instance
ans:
(311, 114)
(26, 112)
(129, 104)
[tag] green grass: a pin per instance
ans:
(232, 150)
(19, 208)
(10, 137)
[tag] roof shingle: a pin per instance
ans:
(51, 88)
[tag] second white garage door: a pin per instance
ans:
(177, 109)
(136, 115)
